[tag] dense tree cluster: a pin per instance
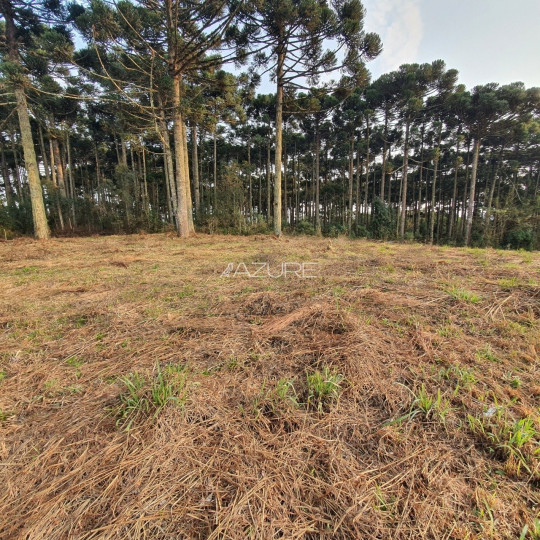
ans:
(128, 115)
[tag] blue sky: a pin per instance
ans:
(485, 40)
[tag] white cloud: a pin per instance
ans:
(399, 23)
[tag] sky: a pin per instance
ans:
(485, 40)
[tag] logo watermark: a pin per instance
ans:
(303, 270)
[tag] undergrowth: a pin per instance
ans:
(143, 397)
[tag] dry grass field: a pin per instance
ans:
(142, 395)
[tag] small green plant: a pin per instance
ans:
(234, 362)
(172, 369)
(142, 398)
(464, 377)
(75, 362)
(133, 402)
(186, 292)
(508, 439)
(53, 386)
(322, 388)
(25, 270)
(285, 390)
(448, 331)
(4, 415)
(462, 294)
(486, 353)
(384, 504)
(514, 382)
(526, 257)
(2, 375)
(521, 433)
(425, 402)
(533, 531)
(427, 405)
(162, 391)
(509, 283)
(272, 398)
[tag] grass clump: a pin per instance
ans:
(426, 405)
(464, 378)
(508, 284)
(430, 405)
(515, 441)
(76, 362)
(4, 415)
(486, 353)
(323, 387)
(275, 398)
(143, 398)
(463, 295)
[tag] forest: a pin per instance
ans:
(120, 117)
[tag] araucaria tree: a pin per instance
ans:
(288, 38)
(22, 24)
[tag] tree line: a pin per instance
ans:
(122, 116)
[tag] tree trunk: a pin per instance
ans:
(403, 215)
(5, 174)
(44, 154)
(182, 205)
(434, 187)
(279, 140)
(71, 180)
(358, 182)
(351, 182)
(145, 183)
(195, 168)
(454, 194)
(418, 204)
(317, 177)
(250, 201)
(215, 171)
(123, 152)
(41, 227)
(268, 185)
(491, 192)
(187, 184)
(366, 186)
(433, 199)
(465, 190)
(284, 161)
(385, 143)
(472, 192)
(59, 169)
(169, 168)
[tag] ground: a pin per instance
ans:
(144, 395)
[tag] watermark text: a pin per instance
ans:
(303, 270)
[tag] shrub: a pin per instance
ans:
(304, 227)
(381, 222)
(519, 239)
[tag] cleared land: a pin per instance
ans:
(144, 396)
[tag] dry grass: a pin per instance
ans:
(436, 347)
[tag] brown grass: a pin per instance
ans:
(238, 459)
